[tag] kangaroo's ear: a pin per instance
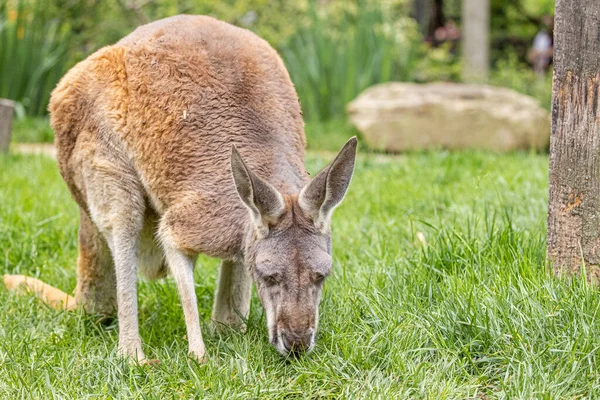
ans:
(263, 201)
(326, 191)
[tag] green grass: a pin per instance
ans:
(32, 130)
(474, 315)
(330, 135)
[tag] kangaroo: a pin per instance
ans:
(184, 138)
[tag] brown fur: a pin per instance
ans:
(144, 130)
(96, 285)
(131, 98)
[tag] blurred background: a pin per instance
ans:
(333, 49)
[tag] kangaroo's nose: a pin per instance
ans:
(297, 342)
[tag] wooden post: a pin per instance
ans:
(7, 108)
(574, 192)
(476, 40)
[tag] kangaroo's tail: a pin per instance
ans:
(54, 297)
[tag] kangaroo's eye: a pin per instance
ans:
(319, 278)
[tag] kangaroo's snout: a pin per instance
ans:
(296, 342)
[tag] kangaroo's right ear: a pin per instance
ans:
(263, 201)
(326, 191)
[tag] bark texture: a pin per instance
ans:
(6, 115)
(574, 192)
(476, 40)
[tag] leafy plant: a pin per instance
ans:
(520, 77)
(33, 54)
(437, 64)
(330, 62)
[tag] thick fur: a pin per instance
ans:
(144, 132)
(168, 101)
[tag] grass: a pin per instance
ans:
(330, 135)
(475, 314)
(32, 130)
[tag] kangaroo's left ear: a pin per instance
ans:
(263, 201)
(327, 190)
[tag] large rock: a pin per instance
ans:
(405, 116)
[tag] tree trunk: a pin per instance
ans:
(574, 192)
(476, 39)
(6, 115)
(421, 13)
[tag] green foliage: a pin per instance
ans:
(32, 130)
(538, 7)
(273, 20)
(40, 39)
(33, 54)
(437, 64)
(333, 49)
(474, 314)
(512, 74)
(334, 57)
(514, 25)
(270, 19)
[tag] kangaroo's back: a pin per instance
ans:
(173, 96)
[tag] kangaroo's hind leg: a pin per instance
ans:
(96, 281)
(117, 205)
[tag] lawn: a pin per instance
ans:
(474, 314)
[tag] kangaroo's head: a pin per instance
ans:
(288, 252)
